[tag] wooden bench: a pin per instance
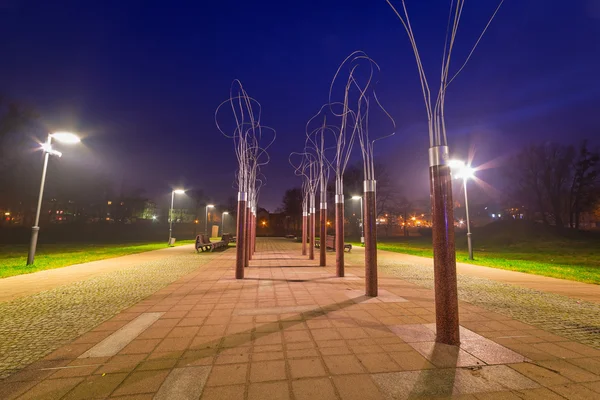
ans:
(203, 243)
(330, 243)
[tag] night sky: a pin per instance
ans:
(141, 80)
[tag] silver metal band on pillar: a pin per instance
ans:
(438, 155)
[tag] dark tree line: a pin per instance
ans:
(556, 183)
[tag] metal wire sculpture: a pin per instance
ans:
(251, 140)
(446, 291)
(320, 135)
(357, 75)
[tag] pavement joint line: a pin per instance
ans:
(69, 367)
(122, 337)
(277, 310)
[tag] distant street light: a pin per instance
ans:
(63, 137)
(465, 172)
(362, 226)
(206, 221)
(173, 193)
(223, 221)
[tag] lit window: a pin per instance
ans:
(109, 202)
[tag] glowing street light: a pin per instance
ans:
(465, 172)
(206, 216)
(173, 193)
(63, 137)
(223, 221)
(362, 226)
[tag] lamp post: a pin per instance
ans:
(64, 137)
(206, 216)
(362, 225)
(223, 221)
(465, 172)
(173, 193)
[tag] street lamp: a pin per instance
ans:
(223, 222)
(362, 226)
(173, 193)
(63, 137)
(206, 220)
(465, 172)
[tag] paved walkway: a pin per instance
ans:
(291, 330)
(24, 285)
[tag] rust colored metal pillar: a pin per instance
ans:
(323, 235)
(339, 235)
(253, 230)
(304, 233)
(311, 229)
(240, 244)
(370, 227)
(247, 237)
(444, 255)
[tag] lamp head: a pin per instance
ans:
(210, 205)
(225, 212)
(65, 137)
(179, 191)
(356, 197)
(461, 170)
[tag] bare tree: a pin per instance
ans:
(543, 176)
(584, 183)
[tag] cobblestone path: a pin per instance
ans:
(33, 326)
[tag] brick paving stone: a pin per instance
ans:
(229, 374)
(538, 394)
(142, 382)
(314, 389)
(574, 392)
(262, 371)
(305, 368)
(357, 387)
(96, 387)
(542, 375)
(343, 364)
(378, 362)
(224, 392)
(269, 390)
(51, 389)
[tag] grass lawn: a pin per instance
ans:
(518, 247)
(48, 256)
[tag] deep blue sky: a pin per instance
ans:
(141, 79)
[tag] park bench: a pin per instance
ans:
(203, 243)
(330, 243)
(228, 237)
